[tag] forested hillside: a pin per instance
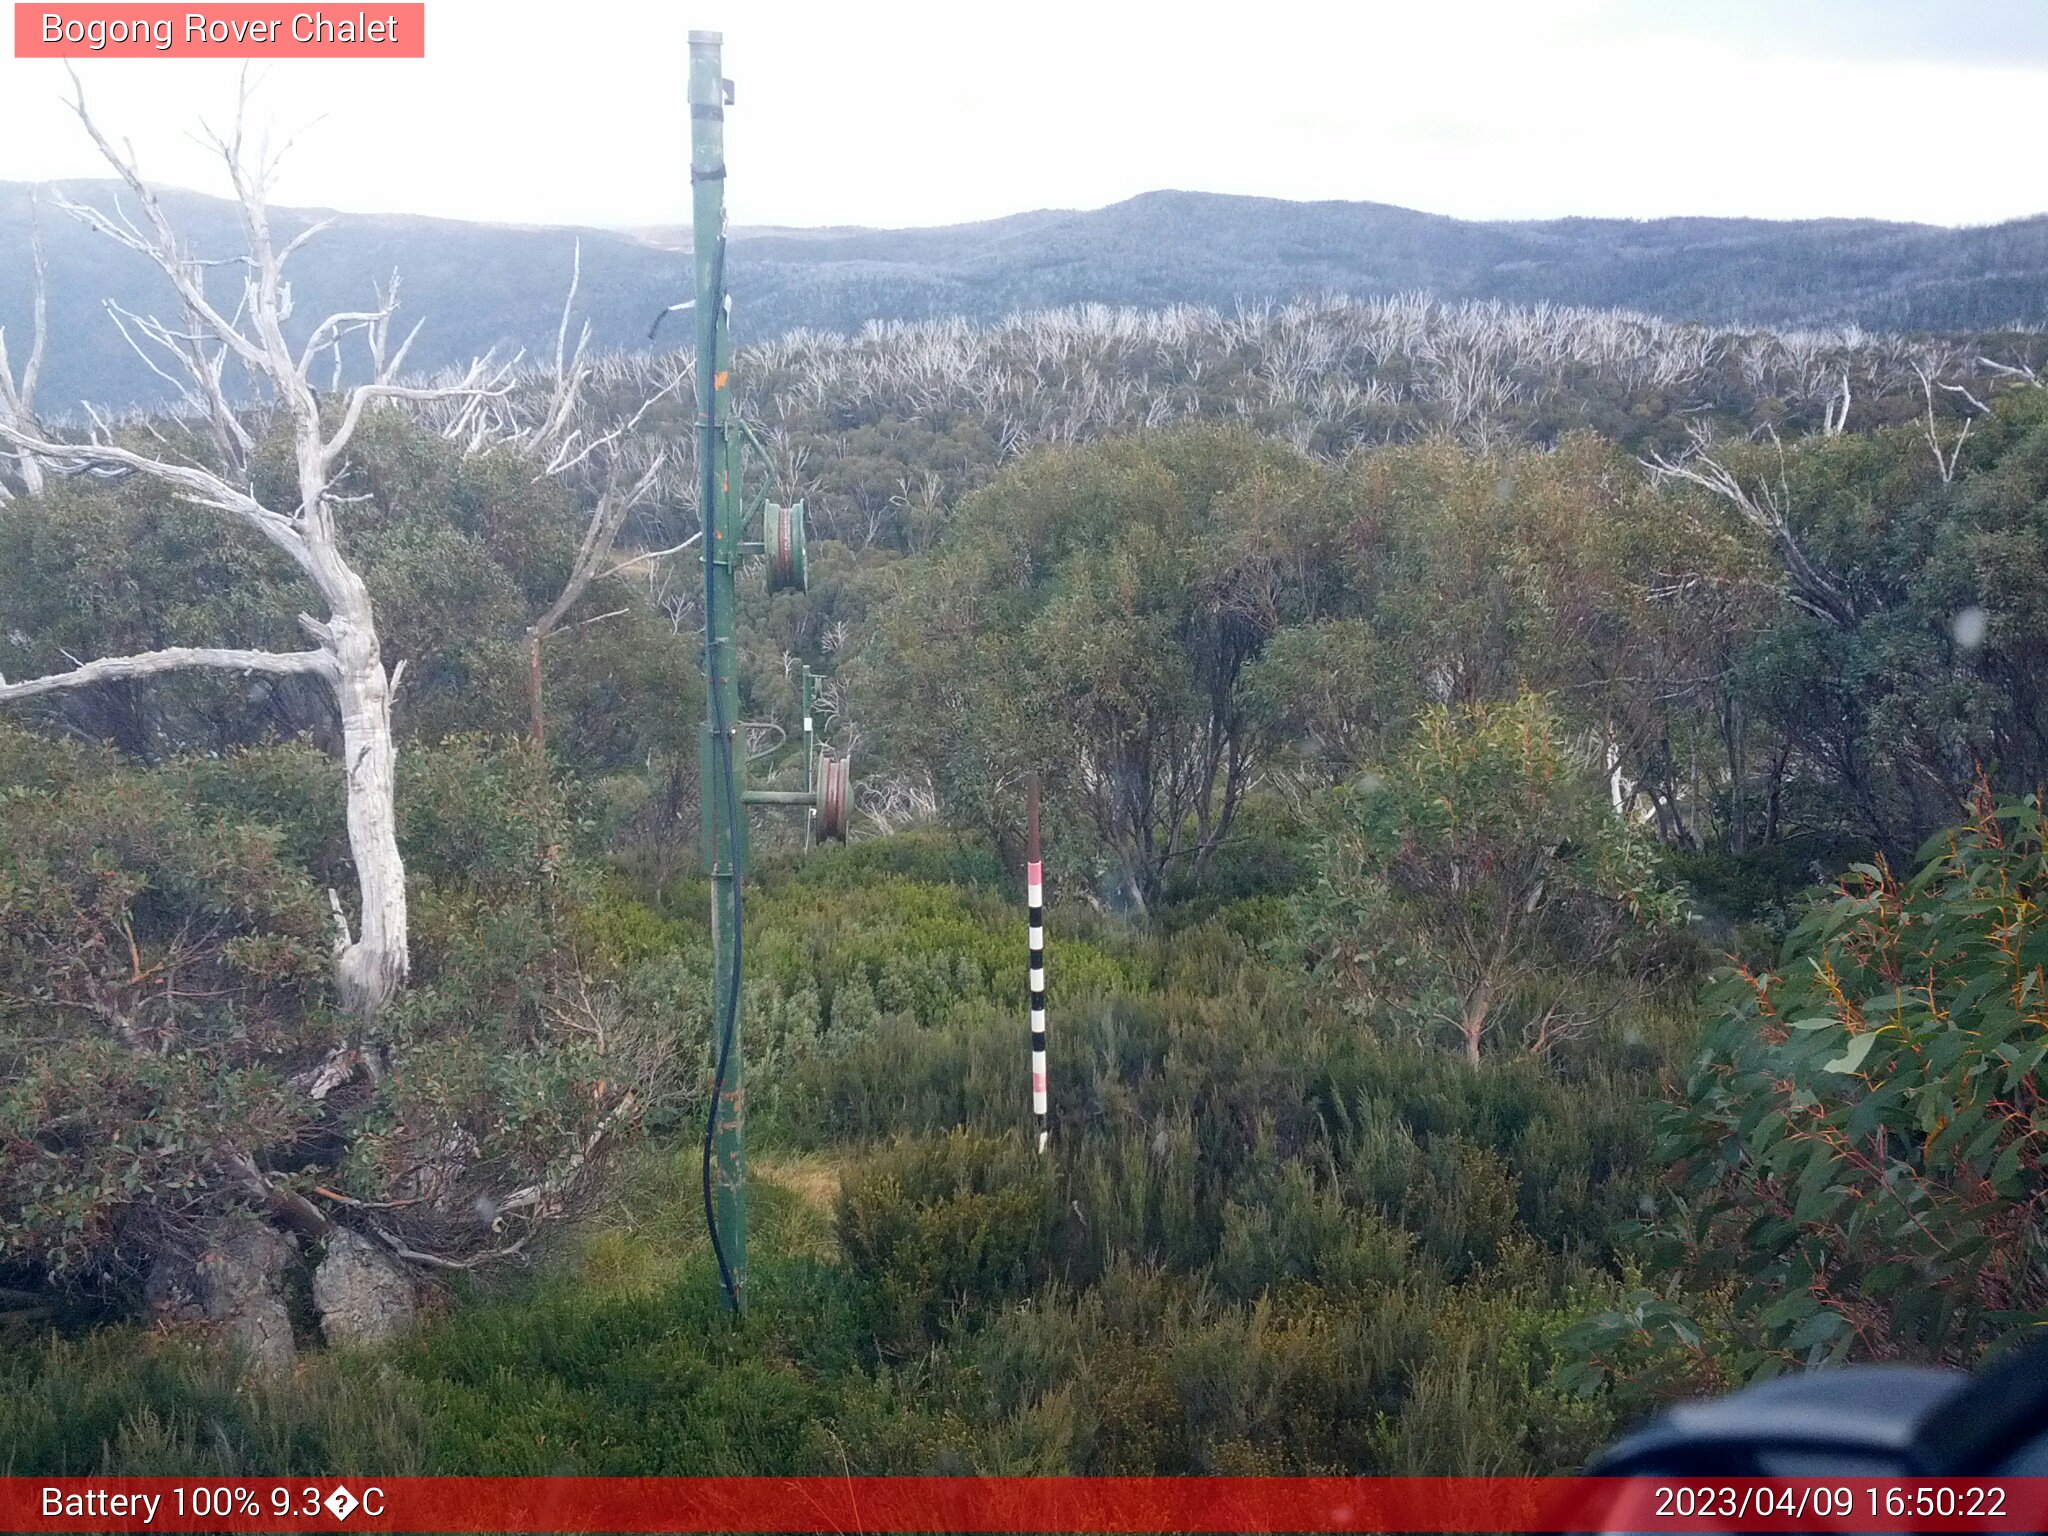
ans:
(484, 286)
(1542, 833)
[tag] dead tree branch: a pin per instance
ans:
(18, 400)
(1765, 505)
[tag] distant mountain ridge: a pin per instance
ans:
(483, 285)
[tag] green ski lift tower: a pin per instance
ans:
(724, 798)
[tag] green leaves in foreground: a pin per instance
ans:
(1863, 1139)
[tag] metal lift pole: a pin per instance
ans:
(720, 756)
(827, 796)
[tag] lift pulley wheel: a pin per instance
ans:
(782, 536)
(835, 796)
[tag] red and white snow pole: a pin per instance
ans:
(1034, 896)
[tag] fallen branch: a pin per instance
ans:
(288, 1204)
(538, 1197)
(403, 1250)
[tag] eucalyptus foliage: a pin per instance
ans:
(1863, 1142)
(1474, 866)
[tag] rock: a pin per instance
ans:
(170, 1294)
(240, 1283)
(362, 1295)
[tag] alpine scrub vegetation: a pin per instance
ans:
(1428, 698)
(164, 987)
(157, 970)
(1262, 1241)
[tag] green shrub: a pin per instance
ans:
(1859, 1142)
(938, 1229)
(161, 972)
(923, 857)
(1475, 879)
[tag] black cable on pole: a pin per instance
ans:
(728, 1023)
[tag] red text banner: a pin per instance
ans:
(236, 31)
(1004, 1504)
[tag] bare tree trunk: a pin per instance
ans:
(1473, 1024)
(18, 404)
(1492, 960)
(371, 968)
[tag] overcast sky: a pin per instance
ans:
(892, 112)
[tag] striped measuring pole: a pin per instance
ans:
(1034, 888)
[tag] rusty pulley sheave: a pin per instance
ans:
(782, 539)
(835, 796)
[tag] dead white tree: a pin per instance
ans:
(1765, 505)
(18, 400)
(372, 961)
(564, 447)
(614, 504)
(2021, 372)
(1944, 458)
(1835, 419)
